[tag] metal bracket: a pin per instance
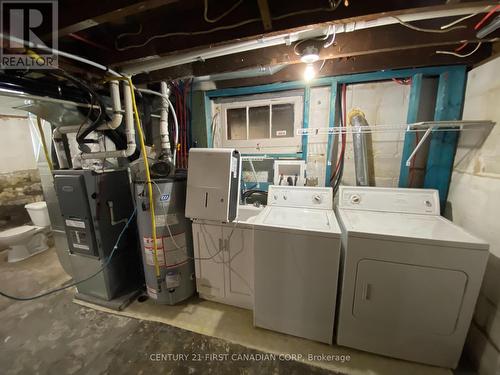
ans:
(112, 214)
(417, 147)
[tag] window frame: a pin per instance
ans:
(264, 145)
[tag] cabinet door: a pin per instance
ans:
(209, 267)
(407, 298)
(239, 266)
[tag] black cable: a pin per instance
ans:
(44, 294)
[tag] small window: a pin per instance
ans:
(258, 122)
(237, 123)
(264, 122)
(262, 125)
(282, 121)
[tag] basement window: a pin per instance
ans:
(262, 126)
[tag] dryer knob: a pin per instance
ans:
(355, 199)
(317, 198)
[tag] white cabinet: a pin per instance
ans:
(224, 262)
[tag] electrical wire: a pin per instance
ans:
(334, 34)
(222, 28)
(44, 144)
(213, 126)
(146, 167)
(186, 33)
(437, 31)
(218, 18)
(485, 18)
(461, 55)
(106, 263)
(459, 20)
(307, 11)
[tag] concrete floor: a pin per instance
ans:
(53, 335)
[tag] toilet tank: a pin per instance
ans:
(38, 213)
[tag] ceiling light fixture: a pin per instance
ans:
(309, 55)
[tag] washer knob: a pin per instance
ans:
(355, 199)
(317, 198)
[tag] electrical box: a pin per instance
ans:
(290, 172)
(213, 184)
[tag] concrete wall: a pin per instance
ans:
(474, 203)
(19, 178)
(16, 148)
(384, 103)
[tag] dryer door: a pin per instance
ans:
(408, 297)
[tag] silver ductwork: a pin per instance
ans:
(360, 142)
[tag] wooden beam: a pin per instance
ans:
(156, 25)
(265, 14)
(362, 42)
(76, 16)
(367, 63)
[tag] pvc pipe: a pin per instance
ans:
(116, 120)
(146, 91)
(165, 142)
(129, 132)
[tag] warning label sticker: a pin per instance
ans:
(153, 293)
(170, 251)
(173, 279)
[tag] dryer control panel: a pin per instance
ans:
(300, 196)
(414, 201)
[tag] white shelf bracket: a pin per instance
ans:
(417, 147)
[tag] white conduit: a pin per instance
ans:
(165, 142)
(114, 88)
(146, 91)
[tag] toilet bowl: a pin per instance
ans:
(28, 240)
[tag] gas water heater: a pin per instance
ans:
(174, 252)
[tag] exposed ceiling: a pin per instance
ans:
(117, 32)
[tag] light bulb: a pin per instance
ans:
(309, 72)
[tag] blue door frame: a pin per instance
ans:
(451, 91)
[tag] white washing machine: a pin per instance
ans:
(410, 277)
(297, 254)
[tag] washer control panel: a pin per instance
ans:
(417, 201)
(300, 196)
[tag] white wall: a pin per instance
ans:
(16, 148)
(384, 103)
(474, 203)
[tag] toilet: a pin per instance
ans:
(28, 240)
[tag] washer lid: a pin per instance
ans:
(304, 219)
(16, 231)
(408, 227)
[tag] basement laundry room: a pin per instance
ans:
(250, 187)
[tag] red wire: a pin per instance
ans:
(461, 47)
(342, 124)
(488, 15)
